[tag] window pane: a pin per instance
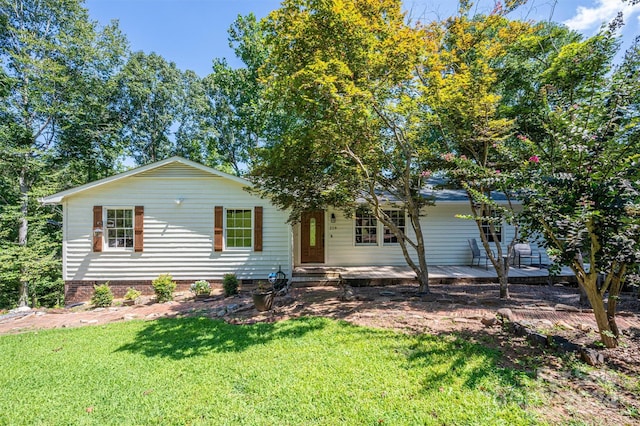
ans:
(119, 228)
(398, 219)
(238, 230)
(366, 228)
(312, 232)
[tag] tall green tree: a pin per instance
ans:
(50, 53)
(344, 72)
(151, 89)
(583, 185)
(238, 115)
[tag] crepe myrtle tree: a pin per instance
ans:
(492, 204)
(583, 191)
(461, 86)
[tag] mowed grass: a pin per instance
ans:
(310, 371)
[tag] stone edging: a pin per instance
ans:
(559, 343)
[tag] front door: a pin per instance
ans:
(312, 237)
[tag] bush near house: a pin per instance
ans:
(132, 294)
(102, 296)
(200, 287)
(164, 286)
(230, 284)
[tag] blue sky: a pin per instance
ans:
(193, 32)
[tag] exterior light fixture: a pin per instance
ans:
(333, 218)
(97, 231)
(179, 200)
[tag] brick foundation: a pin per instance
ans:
(81, 291)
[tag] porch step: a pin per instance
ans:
(314, 281)
(309, 276)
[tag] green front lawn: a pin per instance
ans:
(305, 371)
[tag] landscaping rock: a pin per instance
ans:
(519, 329)
(129, 317)
(348, 294)
(489, 322)
(592, 357)
(536, 338)
(505, 314)
(584, 327)
(546, 323)
(232, 307)
(93, 321)
(565, 345)
(222, 312)
(566, 308)
(387, 293)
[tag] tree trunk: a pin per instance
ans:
(611, 315)
(23, 223)
(503, 277)
(423, 276)
(612, 300)
(589, 283)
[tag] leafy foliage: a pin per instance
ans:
(200, 287)
(56, 73)
(132, 294)
(460, 83)
(230, 284)
(583, 192)
(344, 72)
(102, 296)
(164, 286)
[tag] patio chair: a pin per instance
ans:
(476, 253)
(525, 251)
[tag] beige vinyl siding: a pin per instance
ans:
(178, 238)
(445, 238)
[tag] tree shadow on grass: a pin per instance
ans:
(179, 338)
(455, 360)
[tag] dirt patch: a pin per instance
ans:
(608, 395)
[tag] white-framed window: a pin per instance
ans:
(366, 228)
(119, 228)
(398, 219)
(486, 226)
(238, 229)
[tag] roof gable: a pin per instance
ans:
(174, 167)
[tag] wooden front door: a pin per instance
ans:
(312, 237)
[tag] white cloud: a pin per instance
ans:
(603, 11)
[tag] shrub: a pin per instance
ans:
(164, 287)
(230, 284)
(200, 287)
(102, 296)
(132, 294)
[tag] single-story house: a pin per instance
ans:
(179, 217)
